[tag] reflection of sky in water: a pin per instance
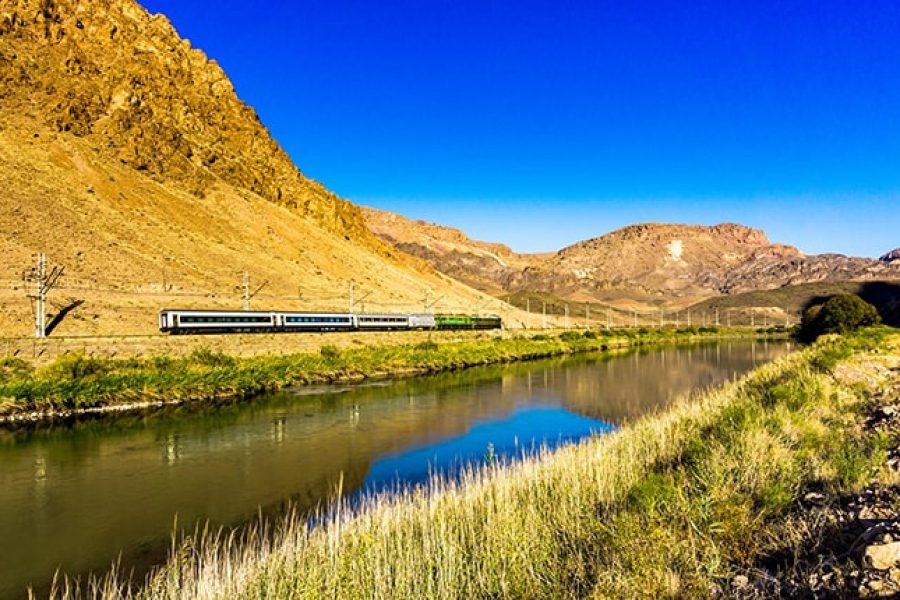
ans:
(523, 431)
(76, 496)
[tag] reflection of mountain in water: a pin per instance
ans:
(77, 495)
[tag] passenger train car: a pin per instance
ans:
(219, 321)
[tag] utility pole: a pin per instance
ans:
(351, 285)
(717, 316)
(528, 305)
(662, 317)
(587, 316)
(43, 283)
(752, 318)
(634, 318)
(246, 294)
(689, 317)
(567, 316)
(544, 313)
(245, 287)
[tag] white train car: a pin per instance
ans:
(311, 321)
(421, 321)
(215, 321)
(373, 321)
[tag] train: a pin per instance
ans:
(177, 322)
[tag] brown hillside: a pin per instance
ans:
(126, 156)
(484, 265)
(634, 267)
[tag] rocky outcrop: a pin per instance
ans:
(483, 265)
(650, 262)
(110, 71)
(892, 256)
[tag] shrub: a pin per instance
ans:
(570, 336)
(329, 352)
(74, 366)
(427, 345)
(208, 358)
(839, 314)
(13, 368)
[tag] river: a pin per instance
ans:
(75, 496)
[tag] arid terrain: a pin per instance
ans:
(640, 267)
(127, 157)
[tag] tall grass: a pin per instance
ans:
(79, 381)
(667, 506)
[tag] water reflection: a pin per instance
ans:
(76, 495)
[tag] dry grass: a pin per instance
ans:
(665, 506)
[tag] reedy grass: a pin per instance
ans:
(669, 505)
(77, 381)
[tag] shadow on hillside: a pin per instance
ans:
(63, 312)
(883, 295)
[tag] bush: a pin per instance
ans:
(570, 336)
(75, 366)
(12, 368)
(839, 314)
(329, 352)
(427, 346)
(209, 358)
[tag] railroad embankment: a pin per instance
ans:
(76, 383)
(740, 492)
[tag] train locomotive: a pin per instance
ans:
(178, 322)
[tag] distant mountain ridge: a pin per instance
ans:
(653, 263)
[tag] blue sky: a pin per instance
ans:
(540, 123)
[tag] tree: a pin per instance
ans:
(839, 314)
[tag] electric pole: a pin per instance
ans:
(245, 287)
(351, 285)
(544, 315)
(43, 283)
(567, 316)
(587, 316)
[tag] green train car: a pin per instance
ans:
(466, 322)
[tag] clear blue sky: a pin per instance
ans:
(540, 123)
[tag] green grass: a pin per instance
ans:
(672, 505)
(78, 381)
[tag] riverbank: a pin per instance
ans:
(684, 503)
(79, 384)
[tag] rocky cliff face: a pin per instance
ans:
(892, 256)
(651, 262)
(108, 71)
(126, 157)
(484, 265)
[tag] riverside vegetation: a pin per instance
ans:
(681, 503)
(77, 382)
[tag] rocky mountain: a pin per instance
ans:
(127, 157)
(892, 256)
(651, 264)
(484, 265)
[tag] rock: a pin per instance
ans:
(814, 498)
(740, 582)
(883, 556)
